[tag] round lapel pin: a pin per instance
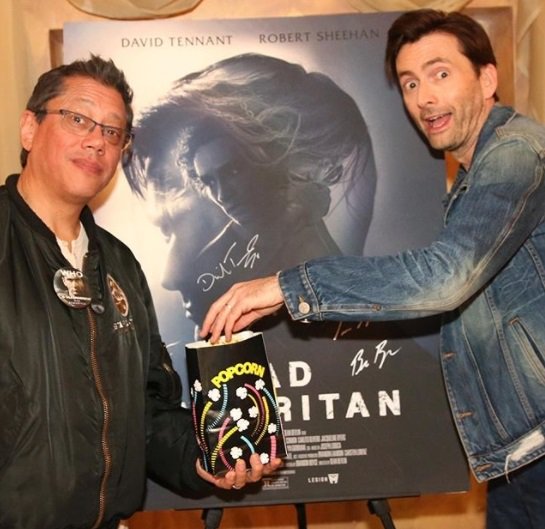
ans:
(72, 288)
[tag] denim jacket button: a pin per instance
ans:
(304, 307)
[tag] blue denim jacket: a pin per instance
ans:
(485, 273)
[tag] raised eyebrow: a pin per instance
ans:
(404, 76)
(433, 62)
(404, 73)
(425, 66)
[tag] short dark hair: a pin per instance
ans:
(413, 25)
(52, 83)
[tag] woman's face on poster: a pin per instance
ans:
(231, 226)
(251, 195)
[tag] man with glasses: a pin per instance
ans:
(83, 125)
(88, 397)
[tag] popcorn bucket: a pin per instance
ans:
(233, 401)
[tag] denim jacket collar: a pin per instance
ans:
(498, 116)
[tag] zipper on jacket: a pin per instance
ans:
(106, 454)
(173, 380)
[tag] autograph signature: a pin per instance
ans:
(229, 263)
(359, 362)
(343, 331)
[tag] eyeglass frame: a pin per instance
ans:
(128, 136)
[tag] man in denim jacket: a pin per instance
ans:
(485, 273)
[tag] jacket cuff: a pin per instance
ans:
(299, 295)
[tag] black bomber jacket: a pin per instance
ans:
(88, 397)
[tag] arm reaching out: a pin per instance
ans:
(241, 305)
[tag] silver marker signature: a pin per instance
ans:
(229, 263)
(359, 362)
(343, 331)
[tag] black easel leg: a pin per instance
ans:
(381, 508)
(211, 518)
(301, 515)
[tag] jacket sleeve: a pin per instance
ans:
(171, 446)
(490, 217)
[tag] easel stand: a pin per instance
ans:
(211, 518)
(380, 508)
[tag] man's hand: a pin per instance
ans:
(236, 479)
(241, 305)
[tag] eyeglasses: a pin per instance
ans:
(82, 125)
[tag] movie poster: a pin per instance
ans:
(260, 144)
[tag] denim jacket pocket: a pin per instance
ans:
(528, 347)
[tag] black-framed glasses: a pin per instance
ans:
(82, 125)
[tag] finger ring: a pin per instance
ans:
(227, 306)
(236, 488)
